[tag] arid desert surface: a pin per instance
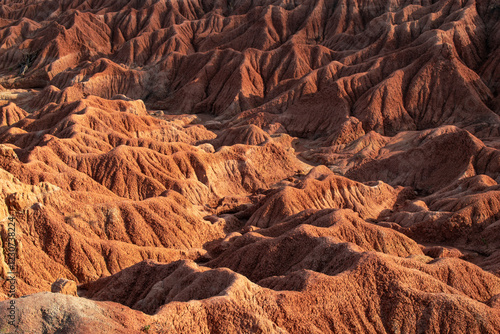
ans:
(250, 166)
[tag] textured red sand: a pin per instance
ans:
(251, 166)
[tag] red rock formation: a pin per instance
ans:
(10, 114)
(250, 166)
(332, 192)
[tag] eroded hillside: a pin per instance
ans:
(230, 166)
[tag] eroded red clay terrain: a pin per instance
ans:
(251, 166)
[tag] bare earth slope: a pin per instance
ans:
(233, 166)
